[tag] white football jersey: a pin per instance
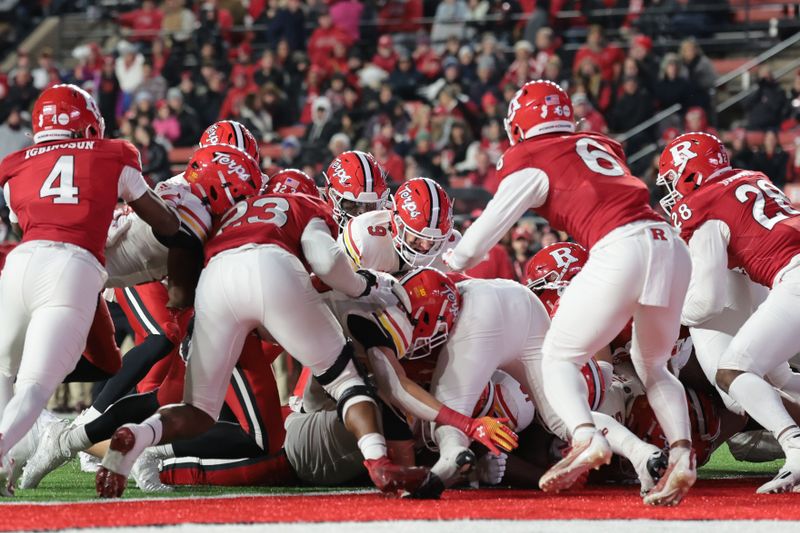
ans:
(367, 240)
(133, 253)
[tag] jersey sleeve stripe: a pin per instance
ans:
(400, 347)
(397, 327)
(193, 222)
(350, 246)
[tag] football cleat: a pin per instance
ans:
(112, 476)
(89, 463)
(581, 458)
(788, 476)
(146, 474)
(393, 479)
(48, 456)
(676, 482)
(650, 470)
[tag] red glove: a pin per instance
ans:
(172, 327)
(392, 478)
(486, 430)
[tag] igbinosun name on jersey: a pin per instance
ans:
(71, 145)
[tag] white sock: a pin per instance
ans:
(75, 440)
(154, 436)
(608, 372)
(668, 400)
(567, 393)
(87, 416)
(622, 441)
(164, 451)
(6, 390)
(762, 402)
(22, 411)
(372, 446)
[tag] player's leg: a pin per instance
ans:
(266, 471)
(14, 317)
(592, 311)
(766, 340)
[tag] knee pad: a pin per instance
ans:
(345, 381)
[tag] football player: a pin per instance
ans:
(413, 233)
(356, 184)
(257, 277)
(50, 282)
(638, 267)
(733, 217)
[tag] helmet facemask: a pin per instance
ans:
(424, 346)
(412, 256)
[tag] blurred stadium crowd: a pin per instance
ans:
(423, 85)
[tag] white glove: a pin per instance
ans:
(384, 290)
(449, 259)
(491, 468)
(120, 224)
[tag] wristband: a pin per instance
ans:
(448, 417)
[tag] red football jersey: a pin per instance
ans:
(269, 219)
(591, 191)
(764, 227)
(66, 191)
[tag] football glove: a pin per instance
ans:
(491, 432)
(384, 290)
(393, 479)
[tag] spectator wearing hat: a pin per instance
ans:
(587, 118)
(325, 38)
(605, 56)
(384, 154)
(320, 130)
(190, 127)
(144, 23)
(641, 51)
(521, 241)
(385, 57)
(766, 108)
(771, 159)
(13, 134)
(129, 68)
(450, 20)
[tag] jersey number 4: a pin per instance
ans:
(59, 184)
(785, 209)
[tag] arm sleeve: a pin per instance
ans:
(518, 192)
(708, 248)
(328, 261)
(12, 216)
(131, 184)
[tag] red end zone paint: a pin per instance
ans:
(717, 499)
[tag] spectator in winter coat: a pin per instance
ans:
(13, 135)
(450, 20)
(766, 107)
(190, 128)
(324, 40)
(673, 87)
(587, 117)
(129, 68)
(288, 23)
(385, 57)
(404, 79)
(155, 161)
(701, 70)
(633, 107)
(321, 129)
(741, 154)
(772, 160)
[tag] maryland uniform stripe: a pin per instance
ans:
(350, 245)
(395, 326)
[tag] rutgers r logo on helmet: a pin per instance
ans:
(682, 153)
(233, 167)
(563, 257)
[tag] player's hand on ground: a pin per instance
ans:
(493, 433)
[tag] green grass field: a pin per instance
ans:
(70, 484)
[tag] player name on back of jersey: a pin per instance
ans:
(71, 145)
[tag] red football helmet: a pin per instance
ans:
(503, 397)
(539, 107)
(688, 162)
(232, 133)
(356, 185)
(291, 181)
(422, 221)
(221, 175)
(66, 112)
(703, 415)
(595, 382)
(435, 304)
(554, 266)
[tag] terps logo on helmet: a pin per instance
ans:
(452, 298)
(234, 167)
(213, 137)
(409, 204)
(340, 173)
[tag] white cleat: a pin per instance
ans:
(788, 476)
(146, 473)
(89, 463)
(48, 456)
(581, 458)
(676, 482)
